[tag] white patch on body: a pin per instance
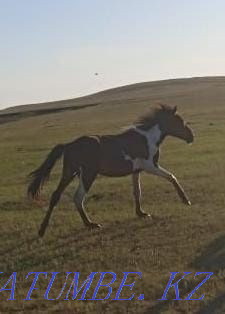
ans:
(152, 136)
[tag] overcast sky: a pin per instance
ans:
(52, 49)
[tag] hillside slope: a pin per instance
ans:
(178, 239)
(157, 90)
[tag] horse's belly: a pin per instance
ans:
(115, 167)
(114, 161)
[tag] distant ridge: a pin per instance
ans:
(149, 91)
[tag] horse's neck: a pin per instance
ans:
(153, 135)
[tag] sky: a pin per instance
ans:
(52, 49)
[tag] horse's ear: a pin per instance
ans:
(167, 108)
(162, 106)
(174, 109)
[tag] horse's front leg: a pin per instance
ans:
(159, 171)
(137, 195)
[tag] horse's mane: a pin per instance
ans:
(151, 118)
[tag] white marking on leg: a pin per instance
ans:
(81, 192)
(137, 189)
(159, 171)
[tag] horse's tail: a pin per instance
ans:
(41, 174)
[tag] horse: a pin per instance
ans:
(130, 152)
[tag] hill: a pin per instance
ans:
(179, 239)
(165, 90)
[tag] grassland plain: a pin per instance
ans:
(180, 238)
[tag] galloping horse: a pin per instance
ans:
(130, 152)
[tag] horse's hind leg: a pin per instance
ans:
(87, 177)
(65, 180)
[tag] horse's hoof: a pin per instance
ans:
(41, 233)
(144, 215)
(94, 225)
(187, 202)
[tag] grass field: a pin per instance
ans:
(179, 238)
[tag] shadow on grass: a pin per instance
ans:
(212, 259)
(158, 307)
(215, 306)
(213, 256)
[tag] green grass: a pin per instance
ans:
(180, 238)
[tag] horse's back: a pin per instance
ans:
(106, 154)
(84, 151)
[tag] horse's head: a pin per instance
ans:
(173, 124)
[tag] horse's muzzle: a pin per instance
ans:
(190, 136)
(189, 141)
